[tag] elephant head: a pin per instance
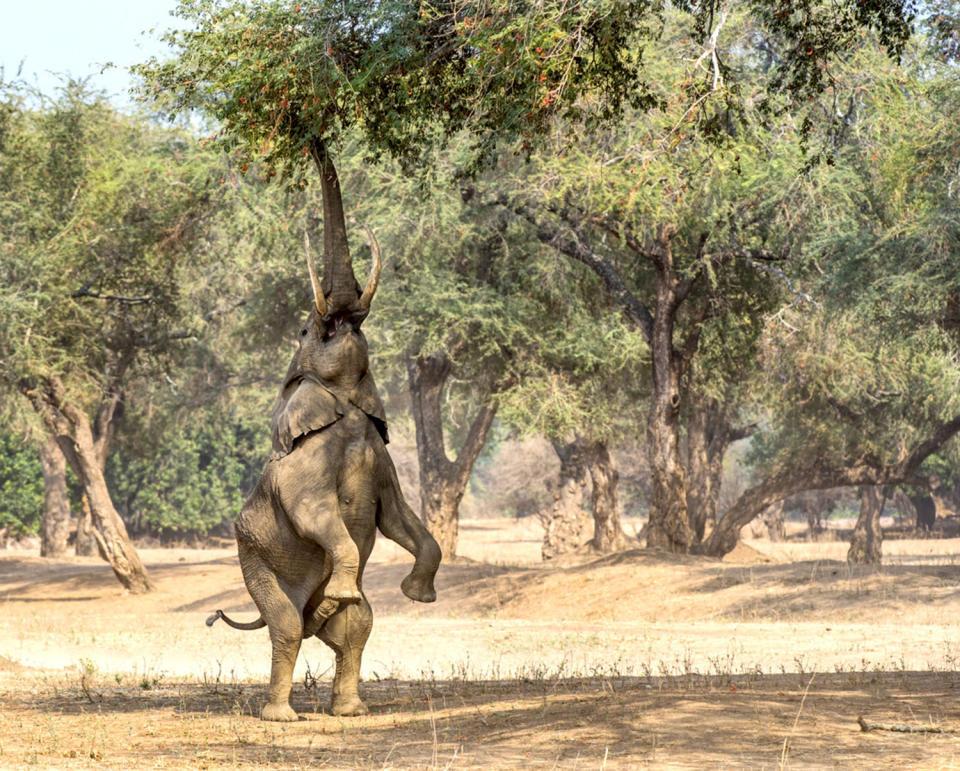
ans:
(332, 349)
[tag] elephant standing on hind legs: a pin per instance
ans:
(307, 529)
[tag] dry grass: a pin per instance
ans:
(633, 660)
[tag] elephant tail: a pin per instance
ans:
(258, 624)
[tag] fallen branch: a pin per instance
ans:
(903, 729)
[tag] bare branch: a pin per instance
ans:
(575, 248)
(86, 291)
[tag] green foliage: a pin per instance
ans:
(871, 369)
(99, 213)
(115, 236)
(21, 486)
(469, 282)
(192, 476)
(844, 392)
(278, 76)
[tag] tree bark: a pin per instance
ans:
(669, 524)
(567, 526)
(867, 540)
(85, 545)
(709, 435)
(773, 521)
(72, 429)
(586, 473)
(55, 526)
(443, 482)
(607, 532)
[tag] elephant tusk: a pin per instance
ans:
(318, 298)
(363, 304)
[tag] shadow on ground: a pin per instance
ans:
(687, 721)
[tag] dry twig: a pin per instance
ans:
(903, 729)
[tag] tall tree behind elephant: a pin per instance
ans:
(442, 481)
(472, 330)
(379, 71)
(866, 543)
(307, 529)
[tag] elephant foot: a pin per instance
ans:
(281, 713)
(419, 588)
(346, 706)
(342, 588)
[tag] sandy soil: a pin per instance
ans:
(628, 661)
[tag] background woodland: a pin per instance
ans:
(696, 264)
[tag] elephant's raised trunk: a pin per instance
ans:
(339, 291)
(318, 299)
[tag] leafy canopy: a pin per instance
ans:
(276, 76)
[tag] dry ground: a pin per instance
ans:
(633, 660)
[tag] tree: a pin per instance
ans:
(690, 242)
(102, 217)
(55, 525)
(278, 76)
(290, 82)
(472, 331)
(861, 382)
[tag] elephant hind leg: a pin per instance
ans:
(346, 631)
(286, 630)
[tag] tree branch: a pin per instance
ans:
(635, 311)
(818, 477)
(476, 438)
(86, 291)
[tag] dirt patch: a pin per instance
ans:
(612, 722)
(632, 660)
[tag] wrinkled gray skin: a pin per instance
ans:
(306, 531)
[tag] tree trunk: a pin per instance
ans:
(816, 477)
(773, 521)
(85, 544)
(442, 481)
(607, 533)
(567, 526)
(709, 435)
(86, 456)
(867, 540)
(586, 469)
(55, 526)
(704, 469)
(669, 524)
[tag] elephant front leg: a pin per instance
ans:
(318, 519)
(347, 632)
(398, 523)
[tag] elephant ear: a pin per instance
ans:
(365, 397)
(304, 406)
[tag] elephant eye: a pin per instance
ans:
(303, 333)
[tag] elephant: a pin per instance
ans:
(305, 532)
